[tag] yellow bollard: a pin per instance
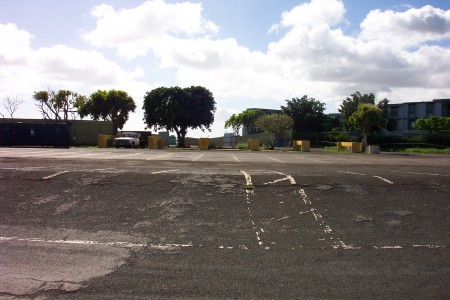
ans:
(203, 144)
(301, 145)
(153, 142)
(253, 144)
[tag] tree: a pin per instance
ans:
(276, 124)
(11, 105)
(245, 119)
(307, 114)
(53, 104)
(365, 118)
(350, 105)
(234, 123)
(113, 106)
(433, 124)
(177, 109)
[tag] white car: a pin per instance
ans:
(127, 139)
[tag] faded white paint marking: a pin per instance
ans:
(289, 177)
(54, 175)
(391, 247)
(416, 173)
(81, 155)
(123, 155)
(248, 178)
(249, 194)
(428, 246)
(274, 159)
(384, 179)
(98, 243)
(76, 242)
(166, 171)
(304, 197)
(283, 218)
(320, 161)
(160, 156)
(335, 242)
(198, 157)
(353, 173)
(235, 158)
(275, 181)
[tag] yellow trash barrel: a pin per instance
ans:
(253, 144)
(203, 144)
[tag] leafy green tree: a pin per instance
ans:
(112, 105)
(58, 105)
(234, 123)
(307, 114)
(350, 105)
(177, 109)
(245, 119)
(433, 124)
(365, 118)
(276, 124)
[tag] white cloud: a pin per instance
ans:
(24, 70)
(391, 56)
(410, 28)
(315, 13)
(133, 32)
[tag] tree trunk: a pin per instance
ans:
(181, 134)
(364, 143)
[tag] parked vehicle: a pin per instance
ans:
(127, 139)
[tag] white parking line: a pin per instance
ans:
(152, 158)
(416, 173)
(198, 157)
(274, 159)
(54, 175)
(384, 179)
(235, 158)
(82, 155)
(123, 155)
(166, 171)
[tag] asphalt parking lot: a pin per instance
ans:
(136, 223)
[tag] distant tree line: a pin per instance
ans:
(307, 115)
(174, 109)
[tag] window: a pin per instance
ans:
(411, 110)
(394, 112)
(430, 108)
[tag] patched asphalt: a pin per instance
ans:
(222, 224)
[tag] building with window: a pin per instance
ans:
(406, 114)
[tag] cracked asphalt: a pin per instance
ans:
(139, 224)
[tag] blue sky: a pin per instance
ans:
(252, 53)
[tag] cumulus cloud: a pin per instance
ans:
(133, 32)
(410, 28)
(391, 55)
(24, 70)
(311, 14)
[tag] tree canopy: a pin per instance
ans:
(58, 105)
(365, 118)
(306, 113)
(112, 105)
(350, 106)
(433, 124)
(246, 119)
(276, 124)
(177, 109)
